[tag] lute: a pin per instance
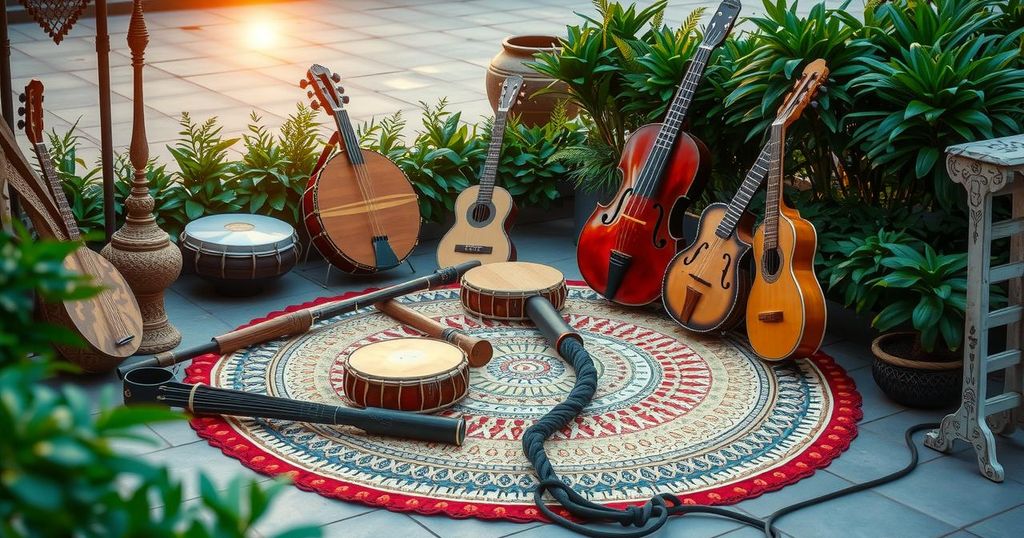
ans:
(625, 246)
(110, 323)
(786, 313)
(484, 213)
(704, 288)
(360, 210)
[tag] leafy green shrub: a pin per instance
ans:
(84, 193)
(168, 195)
(204, 170)
(60, 474)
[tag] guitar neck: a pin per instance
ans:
(673, 123)
(56, 190)
(741, 201)
(489, 175)
(773, 198)
(348, 136)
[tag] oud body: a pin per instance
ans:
(705, 287)
(338, 215)
(479, 234)
(786, 314)
(91, 319)
(625, 246)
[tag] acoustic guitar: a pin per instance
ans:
(705, 289)
(484, 213)
(359, 208)
(625, 246)
(786, 312)
(110, 323)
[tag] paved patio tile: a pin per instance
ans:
(819, 483)
(862, 515)
(876, 404)
(472, 527)
(1008, 524)
(952, 490)
(186, 462)
(377, 523)
(850, 354)
(293, 507)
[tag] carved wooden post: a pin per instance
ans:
(140, 249)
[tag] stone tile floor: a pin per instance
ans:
(233, 60)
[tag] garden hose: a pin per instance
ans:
(653, 514)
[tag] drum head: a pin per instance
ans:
(240, 234)
(406, 358)
(513, 278)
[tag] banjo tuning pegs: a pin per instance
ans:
(340, 89)
(344, 99)
(21, 124)
(315, 105)
(309, 94)
(303, 83)
(336, 77)
(21, 97)
(21, 111)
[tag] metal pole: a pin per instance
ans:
(5, 70)
(106, 143)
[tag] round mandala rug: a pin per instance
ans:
(673, 412)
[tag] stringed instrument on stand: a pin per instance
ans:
(705, 287)
(484, 213)
(786, 313)
(625, 246)
(359, 208)
(110, 323)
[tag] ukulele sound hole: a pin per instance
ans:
(481, 214)
(771, 262)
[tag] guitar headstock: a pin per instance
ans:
(721, 24)
(31, 111)
(804, 89)
(323, 89)
(513, 91)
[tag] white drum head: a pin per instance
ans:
(406, 358)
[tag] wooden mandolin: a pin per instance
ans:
(625, 246)
(110, 323)
(359, 208)
(705, 289)
(786, 312)
(484, 213)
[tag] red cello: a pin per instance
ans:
(624, 247)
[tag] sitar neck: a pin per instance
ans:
(773, 198)
(56, 190)
(673, 122)
(741, 200)
(490, 171)
(348, 136)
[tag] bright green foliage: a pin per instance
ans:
(60, 472)
(168, 195)
(205, 171)
(84, 193)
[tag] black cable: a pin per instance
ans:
(653, 514)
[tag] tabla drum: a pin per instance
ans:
(500, 290)
(239, 252)
(414, 374)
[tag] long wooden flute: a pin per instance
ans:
(478, 351)
(299, 321)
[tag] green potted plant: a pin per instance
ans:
(917, 360)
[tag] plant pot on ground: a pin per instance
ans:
(913, 377)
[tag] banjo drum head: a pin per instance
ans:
(405, 359)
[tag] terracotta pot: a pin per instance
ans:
(516, 51)
(920, 384)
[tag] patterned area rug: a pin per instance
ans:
(673, 413)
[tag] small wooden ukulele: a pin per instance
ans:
(625, 246)
(786, 314)
(704, 289)
(360, 210)
(484, 213)
(110, 323)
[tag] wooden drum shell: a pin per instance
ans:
(423, 394)
(239, 250)
(505, 304)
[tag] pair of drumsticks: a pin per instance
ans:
(477, 350)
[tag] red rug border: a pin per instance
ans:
(836, 438)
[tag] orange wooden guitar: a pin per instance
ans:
(110, 323)
(360, 210)
(484, 213)
(786, 312)
(705, 289)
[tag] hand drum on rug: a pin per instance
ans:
(674, 412)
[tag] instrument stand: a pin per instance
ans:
(986, 169)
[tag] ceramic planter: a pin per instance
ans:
(515, 52)
(919, 384)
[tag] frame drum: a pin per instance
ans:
(415, 374)
(239, 252)
(500, 290)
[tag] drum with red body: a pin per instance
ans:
(500, 290)
(420, 375)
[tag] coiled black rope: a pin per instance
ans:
(653, 514)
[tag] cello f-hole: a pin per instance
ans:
(608, 218)
(658, 243)
(727, 262)
(693, 257)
